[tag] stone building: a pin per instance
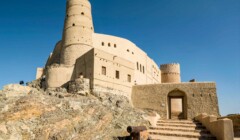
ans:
(116, 65)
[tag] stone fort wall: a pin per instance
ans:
(200, 97)
(146, 71)
(79, 38)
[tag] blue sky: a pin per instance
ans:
(202, 35)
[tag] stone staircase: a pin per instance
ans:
(179, 130)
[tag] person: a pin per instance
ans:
(21, 82)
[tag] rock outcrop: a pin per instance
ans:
(29, 113)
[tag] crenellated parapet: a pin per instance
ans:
(170, 73)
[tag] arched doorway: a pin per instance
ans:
(177, 105)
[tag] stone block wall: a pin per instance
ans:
(200, 98)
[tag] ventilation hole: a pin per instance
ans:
(73, 24)
(82, 13)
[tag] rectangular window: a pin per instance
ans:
(137, 66)
(117, 75)
(129, 78)
(143, 69)
(104, 70)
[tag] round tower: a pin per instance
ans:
(77, 32)
(170, 73)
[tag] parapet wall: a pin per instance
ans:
(170, 73)
(222, 129)
(236, 123)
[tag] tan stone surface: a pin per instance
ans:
(236, 123)
(200, 97)
(73, 55)
(170, 73)
(221, 128)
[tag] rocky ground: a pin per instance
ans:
(29, 113)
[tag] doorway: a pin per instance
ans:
(176, 108)
(177, 105)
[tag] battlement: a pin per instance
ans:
(170, 68)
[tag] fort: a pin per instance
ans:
(116, 65)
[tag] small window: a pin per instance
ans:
(117, 74)
(137, 66)
(143, 69)
(104, 70)
(127, 50)
(82, 13)
(73, 24)
(129, 78)
(115, 45)
(109, 45)
(102, 43)
(140, 68)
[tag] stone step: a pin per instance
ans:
(183, 129)
(180, 122)
(169, 120)
(197, 126)
(181, 134)
(158, 137)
